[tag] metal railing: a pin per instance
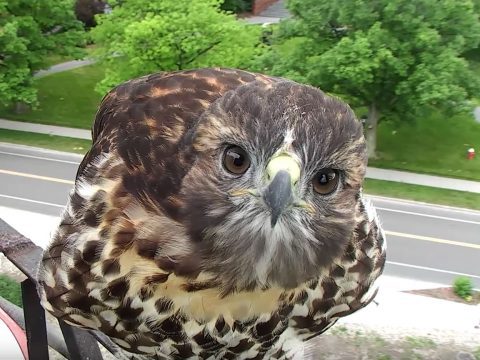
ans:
(71, 342)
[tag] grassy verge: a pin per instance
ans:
(66, 99)
(476, 353)
(10, 290)
(423, 193)
(45, 141)
(434, 145)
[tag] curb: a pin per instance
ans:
(41, 150)
(45, 129)
(420, 203)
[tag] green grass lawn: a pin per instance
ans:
(45, 141)
(433, 145)
(10, 290)
(423, 193)
(66, 99)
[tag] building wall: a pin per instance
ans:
(260, 5)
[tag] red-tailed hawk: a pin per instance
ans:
(218, 215)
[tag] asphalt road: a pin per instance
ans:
(425, 242)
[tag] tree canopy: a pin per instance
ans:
(142, 36)
(394, 57)
(30, 30)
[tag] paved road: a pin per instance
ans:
(430, 243)
(372, 173)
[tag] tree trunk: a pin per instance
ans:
(371, 131)
(21, 108)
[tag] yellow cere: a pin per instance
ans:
(284, 162)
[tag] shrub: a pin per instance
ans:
(463, 287)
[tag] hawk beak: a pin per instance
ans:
(283, 173)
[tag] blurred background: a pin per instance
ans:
(409, 69)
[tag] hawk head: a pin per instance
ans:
(273, 194)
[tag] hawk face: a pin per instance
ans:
(272, 196)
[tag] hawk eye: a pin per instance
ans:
(236, 160)
(325, 181)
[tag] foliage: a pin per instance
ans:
(463, 287)
(476, 353)
(141, 36)
(85, 10)
(421, 342)
(237, 6)
(29, 31)
(395, 58)
(10, 290)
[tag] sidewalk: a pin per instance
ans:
(372, 173)
(68, 65)
(422, 179)
(45, 129)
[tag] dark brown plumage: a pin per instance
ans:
(218, 214)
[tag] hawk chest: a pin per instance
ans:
(147, 311)
(150, 312)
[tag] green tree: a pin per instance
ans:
(29, 31)
(143, 36)
(394, 58)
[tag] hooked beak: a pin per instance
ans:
(283, 173)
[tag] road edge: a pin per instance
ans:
(20, 147)
(79, 157)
